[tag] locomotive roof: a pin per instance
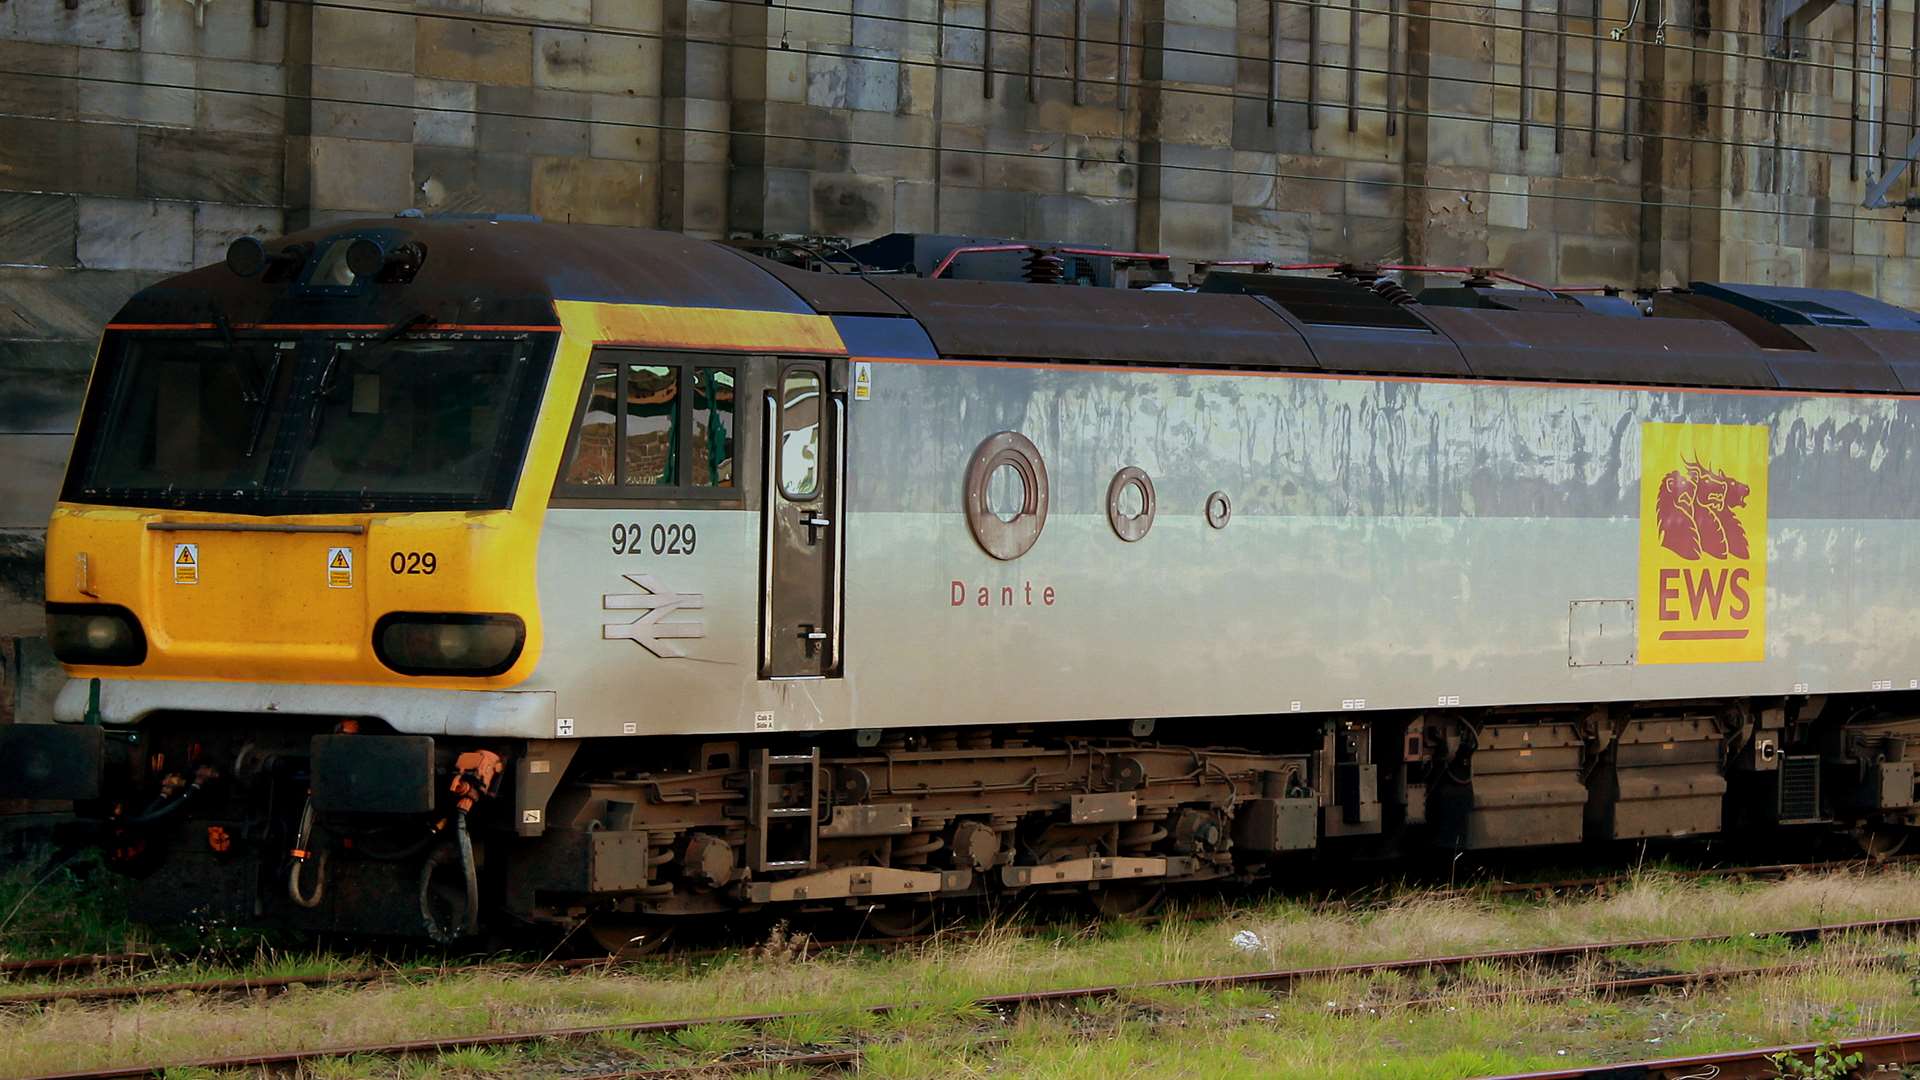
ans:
(480, 272)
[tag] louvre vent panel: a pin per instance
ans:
(1800, 787)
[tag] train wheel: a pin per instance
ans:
(629, 937)
(1880, 840)
(1127, 900)
(903, 919)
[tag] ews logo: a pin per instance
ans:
(1703, 543)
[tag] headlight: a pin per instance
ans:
(431, 643)
(95, 634)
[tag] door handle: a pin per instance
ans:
(837, 553)
(769, 481)
(814, 638)
(814, 523)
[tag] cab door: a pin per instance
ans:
(803, 541)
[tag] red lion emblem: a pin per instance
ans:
(1695, 509)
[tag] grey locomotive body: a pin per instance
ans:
(870, 590)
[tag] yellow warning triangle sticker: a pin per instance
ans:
(339, 561)
(185, 558)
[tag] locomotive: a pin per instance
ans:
(430, 576)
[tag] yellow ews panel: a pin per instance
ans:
(1703, 543)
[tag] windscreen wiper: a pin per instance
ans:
(254, 387)
(258, 399)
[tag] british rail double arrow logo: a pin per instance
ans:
(649, 630)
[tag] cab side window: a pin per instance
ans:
(652, 430)
(713, 416)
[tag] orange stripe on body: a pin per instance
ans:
(707, 329)
(418, 328)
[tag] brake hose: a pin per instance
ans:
(300, 856)
(469, 871)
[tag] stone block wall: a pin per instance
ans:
(1518, 133)
(123, 158)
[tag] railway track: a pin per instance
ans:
(1878, 1052)
(65, 966)
(81, 966)
(1280, 981)
(1556, 887)
(272, 984)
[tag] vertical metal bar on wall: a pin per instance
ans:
(1853, 103)
(986, 51)
(1593, 85)
(1885, 34)
(1273, 60)
(1559, 76)
(1313, 64)
(1122, 76)
(1079, 48)
(1629, 93)
(939, 94)
(1913, 85)
(1033, 50)
(1777, 102)
(1353, 65)
(1526, 76)
(1393, 67)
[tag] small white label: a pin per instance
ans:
(563, 727)
(1353, 703)
(340, 568)
(862, 380)
(1294, 707)
(1913, 684)
(529, 817)
(1448, 701)
(629, 729)
(186, 564)
(1883, 684)
(538, 767)
(1799, 688)
(763, 720)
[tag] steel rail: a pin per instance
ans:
(1753, 1063)
(1280, 980)
(818, 1061)
(1612, 988)
(59, 965)
(1504, 888)
(248, 984)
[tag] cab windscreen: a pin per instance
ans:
(309, 422)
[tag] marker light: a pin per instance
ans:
(434, 643)
(95, 634)
(365, 257)
(246, 256)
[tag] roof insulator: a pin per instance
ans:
(1044, 268)
(1392, 291)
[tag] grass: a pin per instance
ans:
(63, 908)
(1370, 1029)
